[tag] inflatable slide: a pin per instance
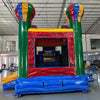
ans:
(9, 81)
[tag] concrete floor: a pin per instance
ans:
(93, 94)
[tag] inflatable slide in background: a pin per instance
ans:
(9, 81)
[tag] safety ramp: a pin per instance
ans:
(9, 81)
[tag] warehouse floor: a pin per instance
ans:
(93, 94)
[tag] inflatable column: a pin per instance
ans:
(74, 13)
(63, 26)
(25, 12)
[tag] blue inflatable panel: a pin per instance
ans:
(92, 68)
(90, 78)
(88, 74)
(8, 86)
(51, 84)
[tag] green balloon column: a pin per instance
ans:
(25, 12)
(74, 13)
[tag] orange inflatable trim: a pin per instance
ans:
(9, 78)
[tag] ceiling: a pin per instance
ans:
(49, 14)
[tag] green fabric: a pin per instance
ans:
(78, 48)
(30, 9)
(62, 26)
(68, 15)
(23, 49)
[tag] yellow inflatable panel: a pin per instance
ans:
(9, 78)
(49, 30)
(24, 10)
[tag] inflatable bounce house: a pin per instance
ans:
(58, 66)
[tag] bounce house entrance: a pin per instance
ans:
(51, 52)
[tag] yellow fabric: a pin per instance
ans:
(97, 67)
(67, 18)
(80, 12)
(86, 66)
(59, 27)
(24, 10)
(50, 30)
(48, 59)
(9, 78)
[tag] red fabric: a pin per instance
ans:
(50, 42)
(34, 26)
(33, 72)
(17, 13)
(32, 15)
(65, 26)
(72, 13)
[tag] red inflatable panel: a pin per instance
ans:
(33, 72)
(51, 42)
(72, 12)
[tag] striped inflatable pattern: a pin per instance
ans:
(25, 11)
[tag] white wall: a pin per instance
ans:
(87, 40)
(3, 40)
(8, 38)
(1, 43)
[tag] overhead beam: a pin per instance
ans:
(58, 14)
(50, 7)
(8, 5)
(91, 7)
(62, 11)
(89, 29)
(88, 3)
(8, 34)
